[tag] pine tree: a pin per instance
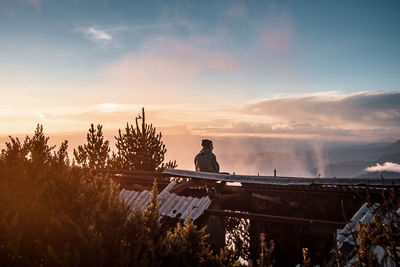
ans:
(140, 148)
(34, 151)
(39, 150)
(15, 151)
(94, 154)
(61, 156)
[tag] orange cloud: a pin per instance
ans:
(331, 116)
(168, 71)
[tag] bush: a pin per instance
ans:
(52, 214)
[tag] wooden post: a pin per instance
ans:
(254, 242)
(216, 229)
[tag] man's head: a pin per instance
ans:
(207, 144)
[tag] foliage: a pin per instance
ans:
(186, 245)
(382, 233)
(54, 215)
(306, 258)
(33, 152)
(266, 252)
(238, 236)
(140, 148)
(95, 153)
(39, 152)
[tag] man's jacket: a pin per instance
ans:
(206, 161)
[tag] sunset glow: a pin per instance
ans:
(265, 68)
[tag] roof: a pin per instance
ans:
(347, 236)
(285, 181)
(364, 214)
(170, 205)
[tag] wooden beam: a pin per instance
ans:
(275, 218)
(277, 200)
(232, 196)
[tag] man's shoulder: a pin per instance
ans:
(198, 155)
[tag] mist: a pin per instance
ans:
(252, 155)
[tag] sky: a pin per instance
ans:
(323, 70)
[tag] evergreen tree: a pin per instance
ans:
(61, 156)
(140, 148)
(94, 154)
(34, 151)
(39, 152)
(15, 151)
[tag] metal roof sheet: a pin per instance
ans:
(288, 181)
(364, 214)
(170, 205)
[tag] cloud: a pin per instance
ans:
(104, 34)
(97, 34)
(284, 129)
(328, 116)
(356, 115)
(386, 167)
(132, 28)
(364, 110)
(166, 70)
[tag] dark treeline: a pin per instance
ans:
(54, 213)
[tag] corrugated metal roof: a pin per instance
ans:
(170, 205)
(364, 214)
(288, 181)
(346, 235)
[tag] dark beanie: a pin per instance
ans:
(206, 143)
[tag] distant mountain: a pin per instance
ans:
(369, 152)
(394, 148)
(369, 155)
(378, 175)
(395, 158)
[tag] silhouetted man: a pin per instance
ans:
(206, 161)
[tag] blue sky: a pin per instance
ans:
(203, 65)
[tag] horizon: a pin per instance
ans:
(236, 154)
